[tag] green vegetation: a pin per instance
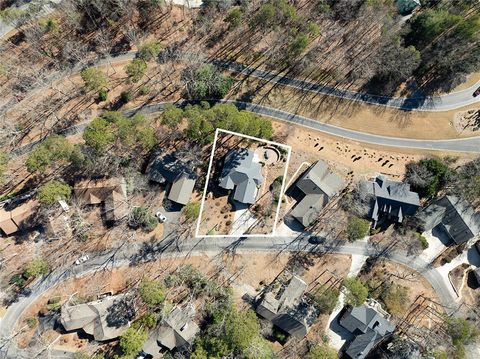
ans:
(202, 120)
(32, 322)
(467, 181)
(54, 150)
(140, 217)
(322, 351)
(53, 191)
(112, 129)
(234, 17)
(149, 50)
(191, 211)
(326, 299)
(151, 292)
(50, 24)
(172, 116)
(274, 13)
(356, 292)
(3, 165)
(148, 321)
(428, 176)
(395, 297)
(357, 228)
(102, 95)
(207, 82)
(462, 333)
(94, 79)
(136, 69)
(36, 268)
(423, 241)
(12, 14)
(231, 331)
(132, 341)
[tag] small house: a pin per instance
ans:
(20, 217)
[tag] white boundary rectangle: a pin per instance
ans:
(277, 213)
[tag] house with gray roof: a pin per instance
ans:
(369, 325)
(454, 217)
(287, 308)
(177, 173)
(316, 188)
(92, 318)
(392, 200)
(176, 331)
(242, 174)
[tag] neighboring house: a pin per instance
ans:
(20, 217)
(177, 330)
(288, 309)
(316, 188)
(392, 200)
(454, 217)
(178, 173)
(241, 173)
(369, 324)
(92, 318)
(111, 192)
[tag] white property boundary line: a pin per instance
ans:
(277, 214)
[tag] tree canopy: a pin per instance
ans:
(136, 69)
(206, 82)
(428, 176)
(132, 341)
(322, 351)
(55, 149)
(94, 79)
(356, 291)
(35, 268)
(357, 228)
(151, 292)
(53, 191)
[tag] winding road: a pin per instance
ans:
(134, 254)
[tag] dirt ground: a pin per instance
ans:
(353, 115)
(245, 272)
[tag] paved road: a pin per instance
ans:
(133, 253)
(470, 144)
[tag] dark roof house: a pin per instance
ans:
(455, 217)
(392, 200)
(177, 330)
(92, 318)
(287, 309)
(317, 187)
(369, 324)
(180, 173)
(241, 173)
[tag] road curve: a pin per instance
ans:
(136, 253)
(469, 144)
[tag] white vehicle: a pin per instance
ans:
(82, 259)
(161, 217)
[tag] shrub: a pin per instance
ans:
(99, 134)
(94, 79)
(191, 210)
(151, 292)
(356, 292)
(357, 228)
(32, 322)
(141, 217)
(53, 191)
(102, 95)
(35, 268)
(234, 17)
(325, 299)
(148, 320)
(125, 96)
(132, 341)
(423, 241)
(149, 50)
(395, 298)
(136, 69)
(322, 351)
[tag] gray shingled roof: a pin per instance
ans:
(455, 216)
(289, 312)
(393, 199)
(174, 169)
(368, 326)
(243, 174)
(318, 185)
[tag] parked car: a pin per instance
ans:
(316, 239)
(161, 217)
(82, 259)
(477, 92)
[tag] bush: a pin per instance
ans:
(234, 17)
(191, 210)
(461, 331)
(322, 351)
(326, 299)
(148, 320)
(149, 50)
(53, 191)
(132, 341)
(141, 217)
(53, 150)
(357, 228)
(32, 322)
(396, 300)
(102, 95)
(125, 96)
(99, 134)
(356, 293)
(35, 268)
(94, 79)
(428, 176)
(423, 241)
(136, 69)
(151, 292)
